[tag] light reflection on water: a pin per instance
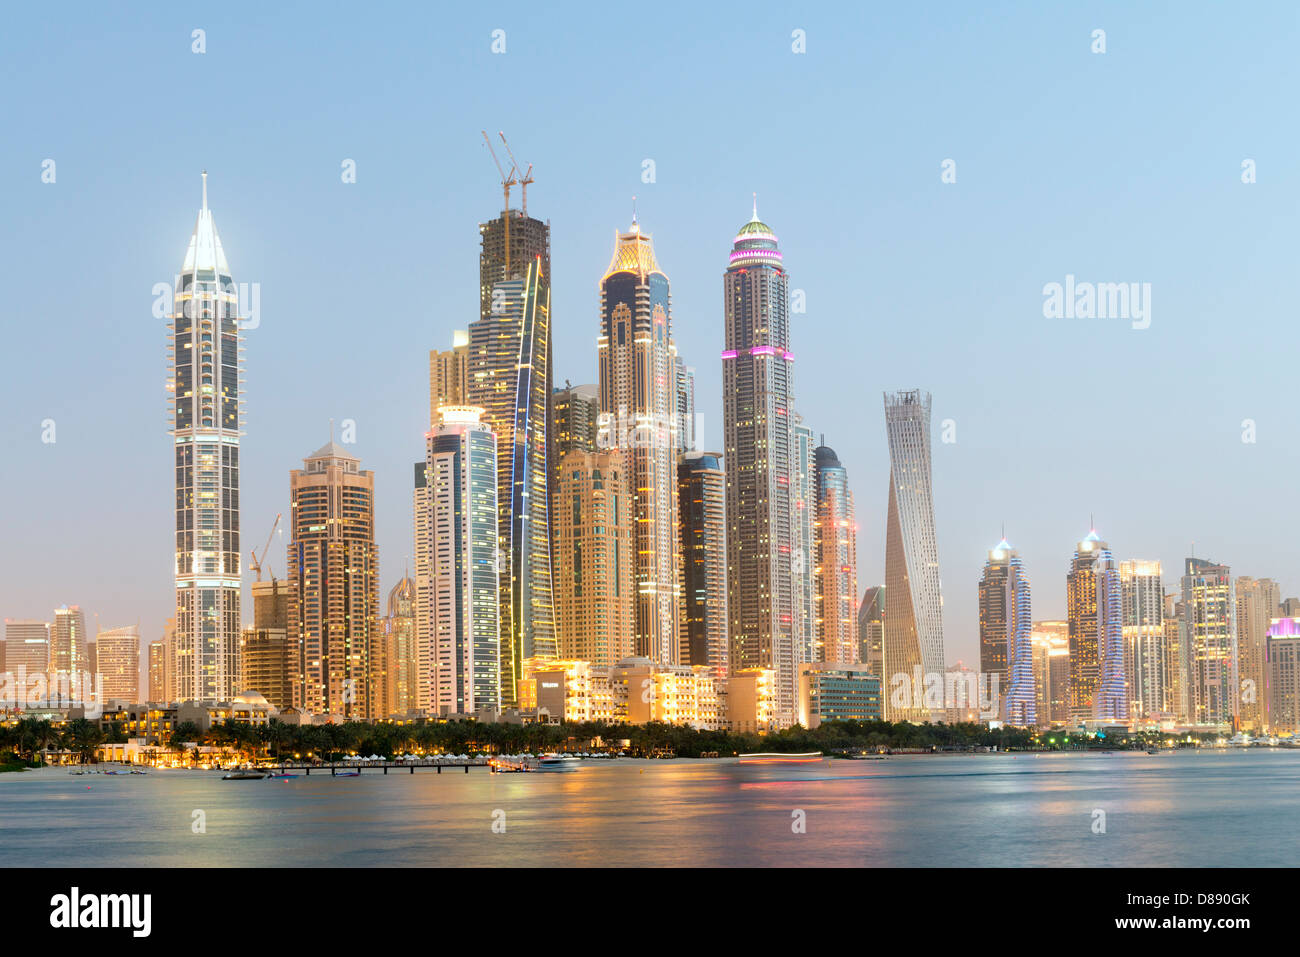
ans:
(1195, 809)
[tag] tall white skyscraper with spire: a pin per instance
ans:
(763, 550)
(205, 407)
(913, 606)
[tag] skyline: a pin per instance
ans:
(267, 221)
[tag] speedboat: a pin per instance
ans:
(243, 776)
(558, 762)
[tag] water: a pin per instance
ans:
(1215, 809)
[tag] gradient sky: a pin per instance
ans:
(1120, 167)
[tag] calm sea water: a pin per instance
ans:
(1229, 808)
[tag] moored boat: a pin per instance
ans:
(243, 776)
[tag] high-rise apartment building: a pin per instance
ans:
(118, 663)
(803, 505)
(1211, 619)
(913, 606)
(702, 497)
(510, 381)
(333, 576)
(1143, 625)
(267, 664)
(574, 409)
(458, 587)
(449, 375)
(157, 671)
(1006, 635)
(205, 406)
(837, 562)
(69, 654)
(594, 563)
(638, 416)
(1257, 605)
(401, 650)
(1098, 687)
(27, 646)
(1177, 660)
(684, 403)
(1051, 644)
(758, 447)
(871, 627)
(1281, 692)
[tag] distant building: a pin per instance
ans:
(574, 409)
(1257, 603)
(157, 670)
(333, 578)
(449, 376)
(751, 700)
(1143, 625)
(913, 606)
(1098, 686)
(1211, 609)
(1006, 636)
(837, 561)
(871, 628)
(1177, 663)
(27, 646)
(831, 692)
(401, 688)
(803, 505)
(118, 662)
(702, 496)
(1051, 644)
(68, 652)
(1281, 697)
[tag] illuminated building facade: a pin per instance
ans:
(458, 580)
(638, 415)
(401, 691)
(1098, 686)
(1257, 604)
(594, 564)
(913, 606)
(1006, 635)
(837, 561)
(1281, 691)
(69, 653)
(27, 646)
(157, 669)
(758, 448)
(449, 376)
(333, 575)
(803, 504)
(1143, 626)
(118, 662)
(1211, 621)
(1177, 662)
(205, 408)
(510, 381)
(702, 497)
(1051, 644)
(838, 692)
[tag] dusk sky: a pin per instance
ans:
(1123, 166)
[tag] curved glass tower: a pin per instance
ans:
(913, 607)
(205, 406)
(758, 451)
(638, 413)
(1006, 631)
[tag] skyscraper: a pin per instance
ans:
(684, 403)
(1281, 691)
(27, 646)
(266, 665)
(837, 562)
(702, 496)
(1051, 643)
(449, 376)
(1143, 623)
(401, 692)
(574, 409)
(510, 381)
(69, 654)
(118, 661)
(871, 627)
(1257, 604)
(913, 606)
(594, 564)
(757, 425)
(1177, 664)
(1098, 685)
(638, 416)
(157, 671)
(1006, 635)
(458, 590)
(205, 406)
(333, 582)
(803, 505)
(1211, 611)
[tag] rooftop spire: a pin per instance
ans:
(634, 226)
(205, 189)
(755, 219)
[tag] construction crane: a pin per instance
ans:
(256, 563)
(524, 179)
(506, 183)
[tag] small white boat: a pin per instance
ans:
(558, 762)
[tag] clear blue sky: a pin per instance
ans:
(1124, 166)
